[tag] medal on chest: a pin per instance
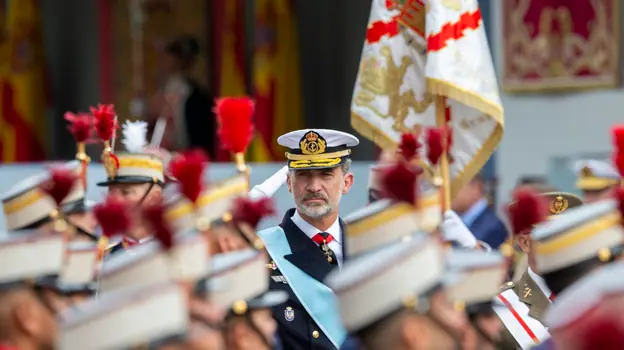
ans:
(326, 251)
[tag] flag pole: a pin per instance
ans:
(445, 173)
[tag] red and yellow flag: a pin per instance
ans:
(23, 99)
(276, 80)
(230, 56)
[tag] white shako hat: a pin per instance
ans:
(482, 275)
(378, 224)
(243, 274)
(386, 221)
(126, 319)
(589, 234)
(595, 175)
(30, 256)
(27, 205)
(78, 272)
(136, 165)
(377, 284)
(585, 295)
(239, 281)
(214, 203)
(148, 263)
(317, 148)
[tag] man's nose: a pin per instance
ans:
(314, 185)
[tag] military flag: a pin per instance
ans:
(414, 53)
(23, 99)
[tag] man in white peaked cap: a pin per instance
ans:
(595, 178)
(309, 242)
(137, 176)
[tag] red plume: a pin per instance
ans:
(603, 334)
(409, 146)
(434, 145)
(155, 216)
(113, 215)
(252, 211)
(80, 125)
(104, 121)
(619, 198)
(439, 141)
(188, 168)
(527, 210)
(618, 143)
(235, 122)
(399, 183)
(62, 181)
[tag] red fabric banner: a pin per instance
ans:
(560, 44)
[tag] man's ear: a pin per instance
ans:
(524, 242)
(348, 182)
(288, 184)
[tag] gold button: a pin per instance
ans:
(315, 334)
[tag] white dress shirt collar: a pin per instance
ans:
(310, 230)
(540, 283)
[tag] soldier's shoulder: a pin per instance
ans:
(508, 285)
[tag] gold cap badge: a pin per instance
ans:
(558, 205)
(312, 143)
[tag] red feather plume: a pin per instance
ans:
(527, 210)
(188, 168)
(252, 211)
(618, 137)
(235, 122)
(434, 145)
(155, 216)
(603, 334)
(618, 143)
(113, 215)
(439, 141)
(619, 198)
(399, 182)
(409, 146)
(60, 184)
(81, 126)
(104, 121)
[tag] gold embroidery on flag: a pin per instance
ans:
(376, 80)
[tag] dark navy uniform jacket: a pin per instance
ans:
(296, 329)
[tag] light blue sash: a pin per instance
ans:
(318, 300)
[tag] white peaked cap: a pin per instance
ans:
(126, 319)
(147, 264)
(374, 285)
(244, 273)
(591, 231)
(584, 295)
(29, 256)
(483, 274)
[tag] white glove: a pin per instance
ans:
(454, 230)
(270, 185)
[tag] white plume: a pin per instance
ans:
(134, 136)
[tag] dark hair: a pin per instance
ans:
(185, 47)
(558, 281)
(532, 180)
